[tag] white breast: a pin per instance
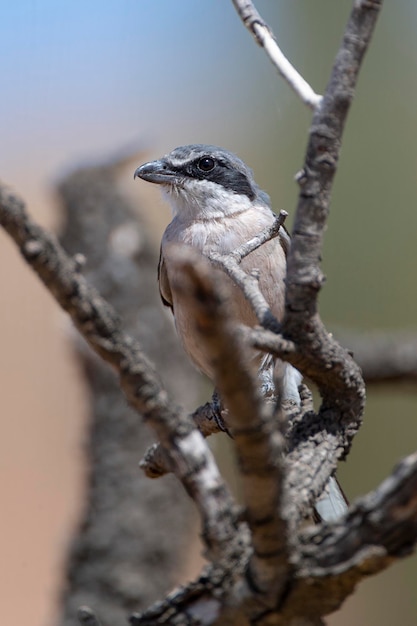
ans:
(223, 234)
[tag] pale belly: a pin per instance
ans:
(269, 260)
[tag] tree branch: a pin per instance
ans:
(207, 418)
(329, 562)
(259, 444)
(318, 355)
(256, 242)
(265, 38)
(191, 459)
(248, 283)
(380, 527)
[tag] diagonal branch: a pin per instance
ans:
(258, 442)
(265, 38)
(191, 459)
(332, 559)
(380, 527)
(207, 419)
(265, 235)
(248, 283)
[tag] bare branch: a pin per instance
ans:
(384, 520)
(259, 444)
(268, 341)
(315, 353)
(268, 587)
(156, 462)
(256, 242)
(248, 283)
(305, 278)
(380, 526)
(97, 322)
(331, 559)
(265, 38)
(250, 287)
(319, 356)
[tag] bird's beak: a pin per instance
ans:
(158, 172)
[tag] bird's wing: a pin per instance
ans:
(164, 287)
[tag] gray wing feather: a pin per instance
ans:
(164, 287)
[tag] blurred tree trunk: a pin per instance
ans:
(127, 548)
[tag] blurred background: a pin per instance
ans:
(83, 80)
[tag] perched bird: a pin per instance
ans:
(216, 206)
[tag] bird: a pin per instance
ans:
(217, 206)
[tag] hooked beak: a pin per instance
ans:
(158, 172)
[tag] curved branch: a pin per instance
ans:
(248, 283)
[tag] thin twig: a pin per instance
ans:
(256, 242)
(248, 283)
(265, 38)
(269, 342)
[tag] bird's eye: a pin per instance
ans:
(206, 164)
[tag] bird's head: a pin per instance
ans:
(204, 182)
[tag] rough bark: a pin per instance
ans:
(130, 542)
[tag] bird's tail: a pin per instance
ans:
(279, 379)
(332, 503)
